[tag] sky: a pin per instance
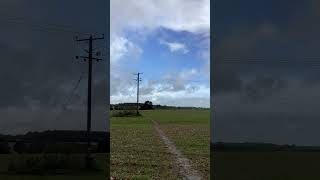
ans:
(265, 71)
(38, 69)
(169, 42)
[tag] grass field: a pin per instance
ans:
(266, 165)
(102, 160)
(190, 131)
(138, 152)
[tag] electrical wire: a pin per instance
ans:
(71, 94)
(43, 28)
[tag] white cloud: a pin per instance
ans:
(175, 46)
(148, 15)
(186, 74)
(121, 47)
(141, 18)
(189, 96)
(172, 89)
(178, 15)
(197, 97)
(205, 55)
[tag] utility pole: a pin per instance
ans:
(90, 58)
(138, 82)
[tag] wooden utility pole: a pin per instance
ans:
(138, 79)
(90, 58)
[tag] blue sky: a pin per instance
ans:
(169, 43)
(158, 59)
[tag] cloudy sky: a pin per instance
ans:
(266, 71)
(38, 69)
(168, 41)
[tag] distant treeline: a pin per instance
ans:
(147, 105)
(260, 147)
(54, 141)
(57, 136)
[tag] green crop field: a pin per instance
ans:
(266, 165)
(102, 160)
(137, 151)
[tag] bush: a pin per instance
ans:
(66, 148)
(20, 147)
(49, 164)
(125, 113)
(4, 148)
(26, 165)
(147, 105)
(36, 147)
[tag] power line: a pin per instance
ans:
(138, 79)
(77, 85)
(90, 59)
(71, 94)
(3, 15)
(45, 28)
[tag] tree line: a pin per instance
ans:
(260, 147)
(147, 105)
(54, 141)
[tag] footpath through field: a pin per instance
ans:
(189, 131)
(138, 152)
(183, 164)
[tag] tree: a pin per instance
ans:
(36, 147)
(4, 148)
(147, 105)
(20, 147)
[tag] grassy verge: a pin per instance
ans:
(190, 131)
(80, 174)
(267, 165)
(137, 151)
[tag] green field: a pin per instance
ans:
(102, 160)
(266, 165)
(137, 151)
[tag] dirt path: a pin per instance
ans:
(182, 163)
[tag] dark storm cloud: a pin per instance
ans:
(12, 72)
(24, 74)
(263, 87)
(265, 70)
(18, 120)
(255, 38)
(288, 116)
(99, 93)
(38, 70)
(232, 49)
